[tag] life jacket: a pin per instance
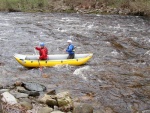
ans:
(72, 49)
(43, 53)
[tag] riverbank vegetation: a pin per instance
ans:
(128, 7)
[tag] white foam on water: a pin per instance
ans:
(3, 39)
(114, 53)
(68, 19)
(98, 15)
(100, 81)
(108, 43)
(80, 72)
(88, 25)
(117, 27)
(147, 53)
(4, 24)
(134, 38)
(61, 30)
(58, 67)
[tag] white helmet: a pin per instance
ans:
(69, 41)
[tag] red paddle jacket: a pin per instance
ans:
(43, 53)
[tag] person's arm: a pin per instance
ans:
(46, 51)
(38, 48)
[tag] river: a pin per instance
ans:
(115, 80)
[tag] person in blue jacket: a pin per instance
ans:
(70, 50)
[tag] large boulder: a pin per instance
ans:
(8, 98)
(64, 100)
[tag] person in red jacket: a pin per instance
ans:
(43, 51)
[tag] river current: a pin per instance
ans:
(115, 80)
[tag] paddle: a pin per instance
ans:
(40, 67)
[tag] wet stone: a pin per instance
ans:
(4, 90)
(51, 102)
(146, 111)
(57, 112)
(34, 86)
(20, 95)
(31, 93)
(44, 98)
(62, 102)
(27, 105)
(83, 108)
(45, 110)
(2, 64)
(21, 89)
(17, 83)
(52, 92)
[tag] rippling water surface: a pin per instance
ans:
(115, 80)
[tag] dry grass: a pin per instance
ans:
(48, 5)
(141, 6)
(23, 5)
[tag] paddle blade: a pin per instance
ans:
(45, 76)
(41, 68)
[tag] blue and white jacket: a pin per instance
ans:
(70, 49)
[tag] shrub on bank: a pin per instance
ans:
(23, 5)
(138, 7)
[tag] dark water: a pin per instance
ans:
(115, 80)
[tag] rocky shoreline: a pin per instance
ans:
(97, 8)
(32, 97)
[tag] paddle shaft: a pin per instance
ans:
(35, 51)
(40, 67)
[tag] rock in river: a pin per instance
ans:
(32, 86)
